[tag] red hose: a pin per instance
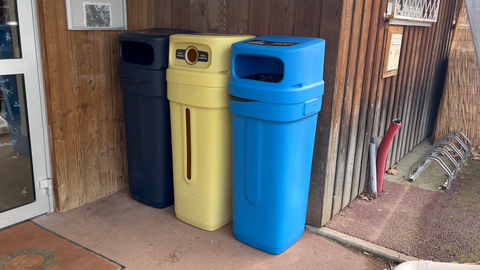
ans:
(383, 151)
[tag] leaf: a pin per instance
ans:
(448, 148)
(392, 171)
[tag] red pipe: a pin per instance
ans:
(383, 151)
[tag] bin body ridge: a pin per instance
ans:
(201, 128)
(276, 92)
(142, 75)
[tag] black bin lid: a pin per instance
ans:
(150, 46)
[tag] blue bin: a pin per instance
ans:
(276, 92)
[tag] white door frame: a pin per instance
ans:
(30, 65)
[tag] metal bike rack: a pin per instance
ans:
(432, 155)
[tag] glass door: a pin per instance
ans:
(25, 188)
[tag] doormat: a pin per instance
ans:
(29, 247)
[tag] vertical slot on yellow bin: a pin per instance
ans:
(197, 88)
(189, 144)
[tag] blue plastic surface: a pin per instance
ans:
(273, 129)
(302, 69)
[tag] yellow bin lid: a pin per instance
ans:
(201, 59)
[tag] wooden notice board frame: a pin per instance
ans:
(392, 51)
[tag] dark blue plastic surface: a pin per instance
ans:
(273, 129)
(147, 114)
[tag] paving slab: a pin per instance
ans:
(142, 237)
(417, 218)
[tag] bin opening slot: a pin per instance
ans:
(189, 144)
(259, 68)
(137, 53)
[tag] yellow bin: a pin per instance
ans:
(197, 87)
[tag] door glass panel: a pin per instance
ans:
(9, 33)
(16, 178)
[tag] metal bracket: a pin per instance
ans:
(46, 183)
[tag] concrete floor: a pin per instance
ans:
(417, 218)
(142, 237)
(430, 179)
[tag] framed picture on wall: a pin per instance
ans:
(96, 15)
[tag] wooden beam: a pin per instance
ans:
(473, 10)
(321, 183)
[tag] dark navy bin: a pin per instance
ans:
(142, 75)
(276, 92)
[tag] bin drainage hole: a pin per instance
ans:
(189, 144)
(192, 55)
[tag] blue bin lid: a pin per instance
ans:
(293, 65)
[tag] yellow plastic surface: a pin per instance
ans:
(215, 72)
(204, 199)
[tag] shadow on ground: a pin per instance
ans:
(423, 222)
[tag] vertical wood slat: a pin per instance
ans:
(410, 93)
(428, 79)
(373, 92)
(352, 116)
(347, 150)
(120, 175)
(378, 80)
(73, 184)
(421, 81)
(416, 90)
(433, 68)
(321, 188)
(238, 17)
(400, 90)
(440, 79)
(343, 104)
(404, 89)
(345, 28)
(259, 18)
(363, 139)
(52, 81)
(180, 14)
(217, 16)
(83, 44)
(198, 15)
(283, 17)
(161, 17)
(354, 150)
(383, 122)
(307, 19)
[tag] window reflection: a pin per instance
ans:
(16, 179)
(9, 34)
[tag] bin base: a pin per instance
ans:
(159, 205)
(269, 249)
(203, 226)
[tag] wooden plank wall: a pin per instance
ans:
(85, 102)
(364, 104)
